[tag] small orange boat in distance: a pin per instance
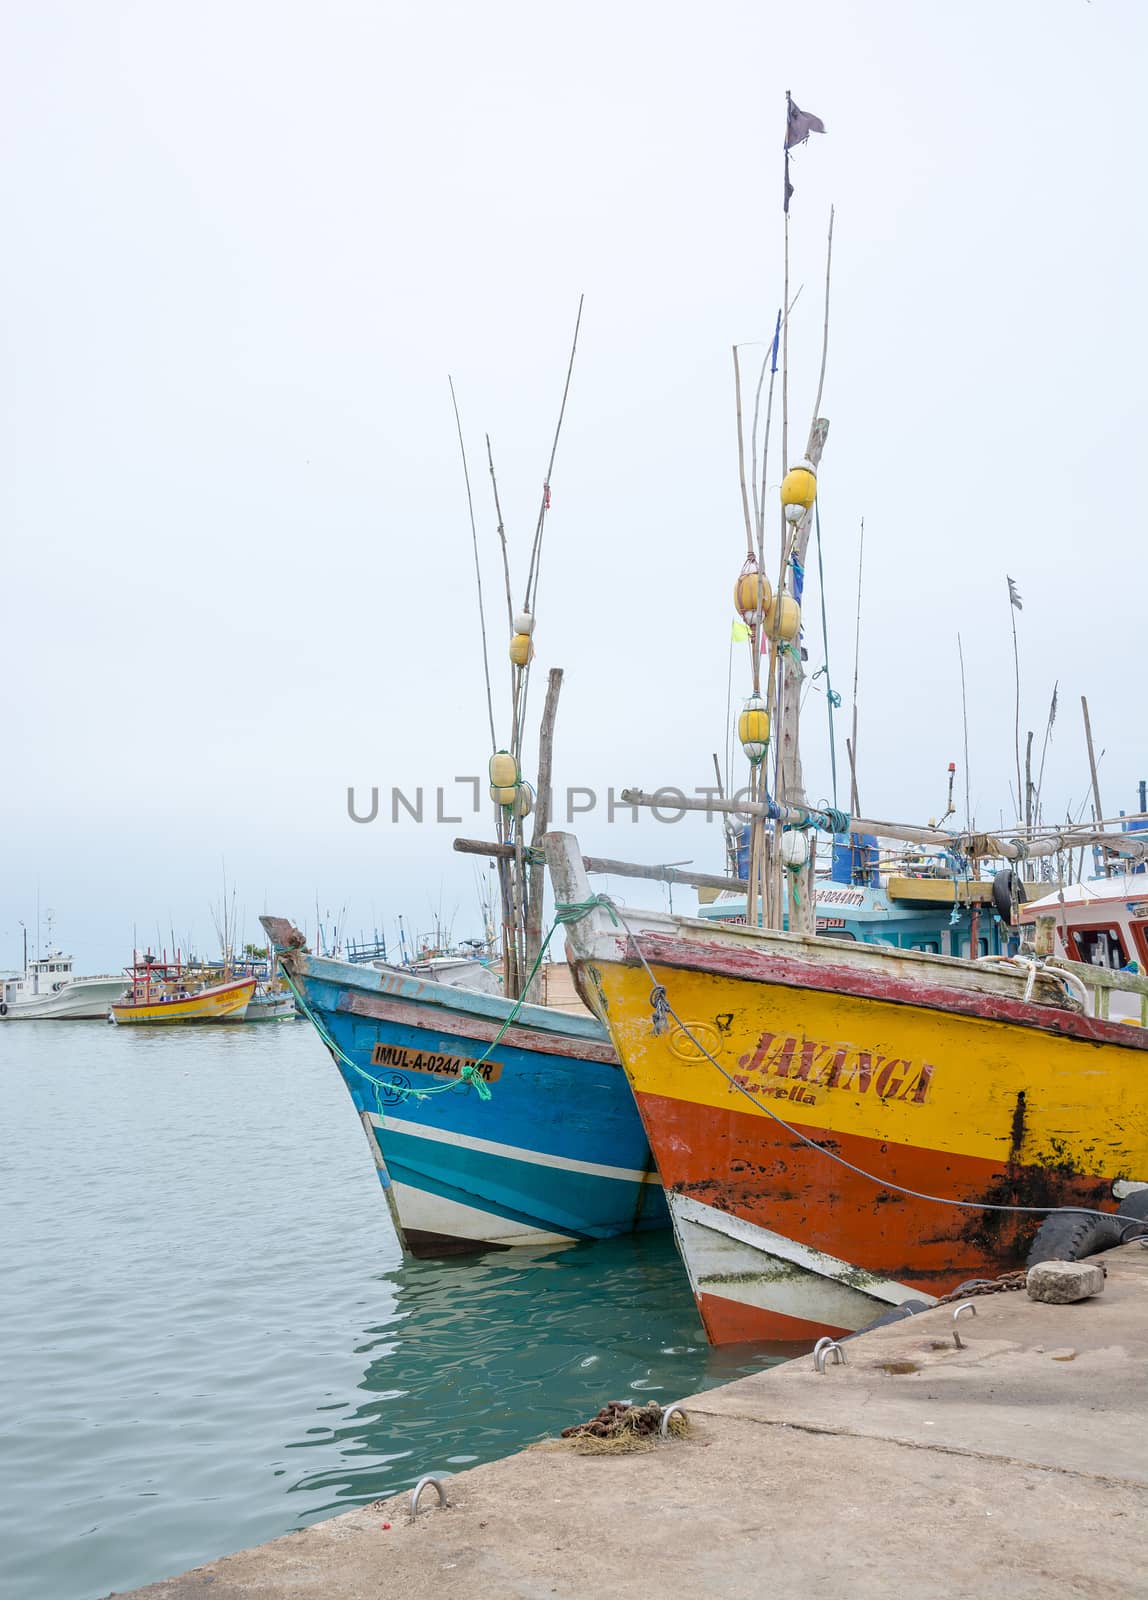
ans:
(163, 992)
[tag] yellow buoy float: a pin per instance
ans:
(503, 770)
(753, 728)
(798, 491)
(751, 593)
(783, 622)
(521, 649)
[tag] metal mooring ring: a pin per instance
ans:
(823, 1349)
(435, 1478)
(965, 1305)
(675, 1410)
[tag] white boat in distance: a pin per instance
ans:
(48, 988)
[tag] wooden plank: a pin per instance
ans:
(619, 869)
(933, 890)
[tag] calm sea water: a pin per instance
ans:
(208, 1336)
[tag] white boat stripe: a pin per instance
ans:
(489, 1147)
(424, 1212)
(816, 1262)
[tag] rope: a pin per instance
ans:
(467, 1075)
(565, 913)
(664, 1009)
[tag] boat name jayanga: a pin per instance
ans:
(803, 1062)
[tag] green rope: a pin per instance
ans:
(467, 1075)
(565, 913)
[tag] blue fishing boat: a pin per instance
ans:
(490, 1125)
(912, 902)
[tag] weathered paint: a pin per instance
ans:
(928, 1086)
(558, 1153)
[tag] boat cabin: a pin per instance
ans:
(44, 976)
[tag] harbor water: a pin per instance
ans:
(209, 1337)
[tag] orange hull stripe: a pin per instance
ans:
(731, 1322)
(753, 1169)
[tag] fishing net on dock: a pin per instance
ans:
(618, 1427)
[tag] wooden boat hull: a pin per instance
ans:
(272, 1008)
(223, 1002)
(927, 1074)
(556, 1154)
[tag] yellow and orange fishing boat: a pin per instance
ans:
(164, 992)
(842, 1127)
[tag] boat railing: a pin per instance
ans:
(1102, 981)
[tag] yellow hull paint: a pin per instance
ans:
(224, 1003)
(909, 1075)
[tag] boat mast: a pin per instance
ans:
(769, 728)
(522, 887)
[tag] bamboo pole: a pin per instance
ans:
(741, 455)
(988, 846)
(536, 881)
(604, 866)
(1092, 765)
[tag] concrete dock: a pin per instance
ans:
(1016, 1466)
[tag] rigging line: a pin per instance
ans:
(825, 326)
(825, 646)
(965, 722)
(757, 498)
(535, 572)
(741, 459)
(477, 566)
(1016, 722)
(768, 423)
(855, 799)
(1044, 752)
(501, 535)
(536, 549)
(660, 999)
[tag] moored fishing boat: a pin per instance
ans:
(161, 992)
(48, 989)
(493, 1120)
(842, 1127)
(271, 1002)
(490, 1124)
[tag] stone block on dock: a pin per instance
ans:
(1061, 1282)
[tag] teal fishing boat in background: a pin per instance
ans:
(913, 902)
(491, 1125)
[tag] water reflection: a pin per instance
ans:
(480, 1356)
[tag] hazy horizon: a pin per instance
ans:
(247, 244)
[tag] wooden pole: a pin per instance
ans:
(618, 869)
(1028, 789)
(987, 846)
(1092, 767)
(741, 455)
(536, 882)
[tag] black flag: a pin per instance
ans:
(798, 126)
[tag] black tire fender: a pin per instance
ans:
(1006, 885)
(3, 1008)
(1135, 1206)
(1073, 1235)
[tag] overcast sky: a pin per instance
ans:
(245, 243)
